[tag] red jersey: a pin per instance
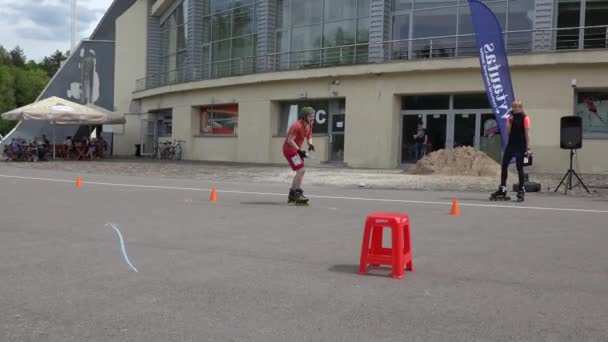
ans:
(301, 131)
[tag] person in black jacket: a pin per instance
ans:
(421, 139)
(518, 146)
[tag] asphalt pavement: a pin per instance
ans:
(143, 258)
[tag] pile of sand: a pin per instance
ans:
(461, 161)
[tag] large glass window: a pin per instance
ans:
(426, 102)
(313, 33)
(426, 4)
(444, 28)
(568, 15)
(174, 44)
(401, 36)
(402, 5)
(582, 24)
(596, 19)
(323, 110)
(521, 24)
(164, 123)
(229, 46)
(307, 12)
(467, 45)
(434, 31)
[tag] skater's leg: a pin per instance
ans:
(519, 162)
(298, 190)
(297, 179)
(505, 167)
(501, 193)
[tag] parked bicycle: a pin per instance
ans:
(177, 149)
(168, 150)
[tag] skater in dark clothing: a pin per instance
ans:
(421, 140)
(518, 146)
(293, 152)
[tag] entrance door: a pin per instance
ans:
(451, 121)
(148, 136)
(336, 134)
(464, 130)
(436, 126)
(409, 125)
(436, 131)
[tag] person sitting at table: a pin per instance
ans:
(17, 148)
(46, 141)
(91, 147)
(69, 146)
(102, 146)
(41, 148)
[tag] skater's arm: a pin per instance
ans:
(311, 147)
(527, 129)
(291, 141)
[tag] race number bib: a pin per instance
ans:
(296, 160)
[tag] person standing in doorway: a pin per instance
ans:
(294, 153)
(421, 139)
(518, 146)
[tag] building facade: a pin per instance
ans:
(227, 77)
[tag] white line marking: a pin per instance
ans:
(368, 199)
(122, 246)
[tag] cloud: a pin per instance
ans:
(50, 21)
(43, 26)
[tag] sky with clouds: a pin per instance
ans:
(42, 26)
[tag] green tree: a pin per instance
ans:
(5, 57)
(53, 62)
(18, 58)
(31, 64)
(28, 85)
(21, 81)
(7, 96)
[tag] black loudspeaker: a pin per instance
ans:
(571, 132)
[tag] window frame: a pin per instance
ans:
(210, 120)
(161, 118)
(411, 51)
(212, 66)
(165, 54)
(288, 30)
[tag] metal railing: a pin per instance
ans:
(517, 42)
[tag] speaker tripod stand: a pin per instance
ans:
(568, 185)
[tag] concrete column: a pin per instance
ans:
(379, 30)
(266, 16)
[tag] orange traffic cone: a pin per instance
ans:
(78, 182)
(455, 208)
(213, 195)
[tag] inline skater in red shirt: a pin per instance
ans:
(295, 154)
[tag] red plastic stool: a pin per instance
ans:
(399, 255)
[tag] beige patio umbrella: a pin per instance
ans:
(58, 111)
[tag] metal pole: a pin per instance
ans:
(54, 143)
(74, 24)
